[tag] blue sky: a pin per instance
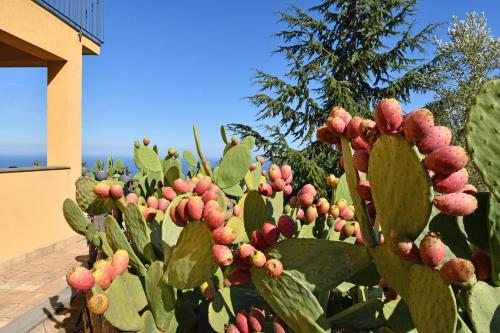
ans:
(168, 64)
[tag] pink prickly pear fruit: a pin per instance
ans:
(349, 228)
(174, 215)
(194, 208)
(360, 160)
(432, 250)
(107, 267)
(452, 182)
(288, 190)
(308, 189)
(149, 214)
(288, 180)
(163, 204)
(265, 189)
(364, 190)
(207, 290)
(241, 322)
(211, 194)
(191, 185)
(245, 251)
(352, 130)
(181, 186)
(278, 185)
(300, 214)
(417, 125)
(294, 202)
(287, 226)
(258, 259)
(359, 143)
(359, 237)
(408, 250)
(457, 270)
(203, 185)
(311, 214)
(455, 204)
(279, 326)
(338, 111)
(347, 214)
(368, 131)
(222, 255)
(270, 232)
(323, 206)
(482, 265)
(446, 160)
(116, 191)
(237, 210)
(286, 172)
(209, 206)
(258, 240)
(237, 277)
(336, 125)
(232, 329)
(437, 137)
(131, 198)
(224, 235)
(263, 173)
(334, 211)
(101, 278)
(341, 204)
(182, 210)
(98, 304)
(306, 199)
(120, 261)
(80, 278)
(252, 166)
(152, 202)
(169, 193)
(274, 172)
(273, 268)
(215, 219)
(146, 141)
(339, 225)
(388, 116)
(469, 189)
(102, 190)
(256, 319)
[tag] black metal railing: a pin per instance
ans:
(86, 16)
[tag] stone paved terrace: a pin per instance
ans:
(33, 289)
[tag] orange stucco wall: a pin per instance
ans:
(30, 202)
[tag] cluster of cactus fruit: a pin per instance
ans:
(234, 248)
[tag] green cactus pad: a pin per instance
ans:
(161, 296)
(274, 206)
(148, 323)
(253, 178)
(105, 246)
(483, 304)
(248, 141)
(121, 312)
(483, 134)
(74, 217)
(223, 134)
(219, 311)
(494, 233)
(394, 269)
(400, 187)
(353, 179)
(254, 212)
(431, 302)
(190, 158)
(317, 229)
(135, 290)
(398, 316)
(172, 169)
(192, 262)
(361, 316)
(139, 233)
(238, 227)
(234, 191)
(287, 295)
(449, 229)
(234, 166)
(88, 201)
(311, 259)
(368, 276)
(170, 231)
(462, 326)
(307, 324)
(342, 190)
(117, 240)
(146, 158)
(476, 224)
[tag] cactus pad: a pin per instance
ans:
(135, 290)
(253, 178)
(238, 227)
(482, 306)
(170, 231)
(311, 259)
(432, 302)
(192, 263)
(400, 187)
(190, 158)
(275, 206)
(483, 134)
(88, 201)
(121, 312)
(360, 316)
(234, 191)
(342, 190)
(74, 216)
(306, 324)
(172, 169)
(146, 158)
(160, 296)
(139, 232)
(494, 234)
(254, 212)
(148, 323)
(234, 166)
(219, 311)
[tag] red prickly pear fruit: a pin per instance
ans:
(438, 136)
(101, 278)
(191, 185)
(209, 206)
(388, 116)
(456, 204)
(273, 268)
(370, 206)
(311, 214)
(263, 173)
(132, 198)
(222, 255)
(341, 204)
(252, 166)
(360, 160)
(286, 172)
(288, 190)
(256, 319)
(245, 251)
(326, 136)
(452, 182)
(80, 278)
(163, 204)
(308, 189)
(417, 125)
(287, 226)
(408, 250)
(349, 228)
(120, 261)
(274, 172)
(446, 160)
(258, 259)
(323, 206)
(279, 326)
(339, 225)
(346, 214)
(181, 186)
(146, 141)
(306, 199)
(258, 240)
(174, 215)
(224, 235)
(334, 211)
(239, 263)
(338, 111)
(432, 250)
(391, 294)
(241, 322)
(237, 210)
(107, 267)
(149, 214)
(182, 211)
(152, 202)
(469, 189)
(237, 277)
(352, 130)
(102, 190)
(457, 270)
(211, 194)
(278, 185)
(336, 125)
(364, 190)
(169, 193)
(215, 219)
(300, 214)
(265, 189)
(359, 143)
(294, 201)
(270, 233)
(232, 329)
(98, 304)
(482, 265)
(368, 131)
(207, 290)
(194, 208)
(203, 185)
(116, 191)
